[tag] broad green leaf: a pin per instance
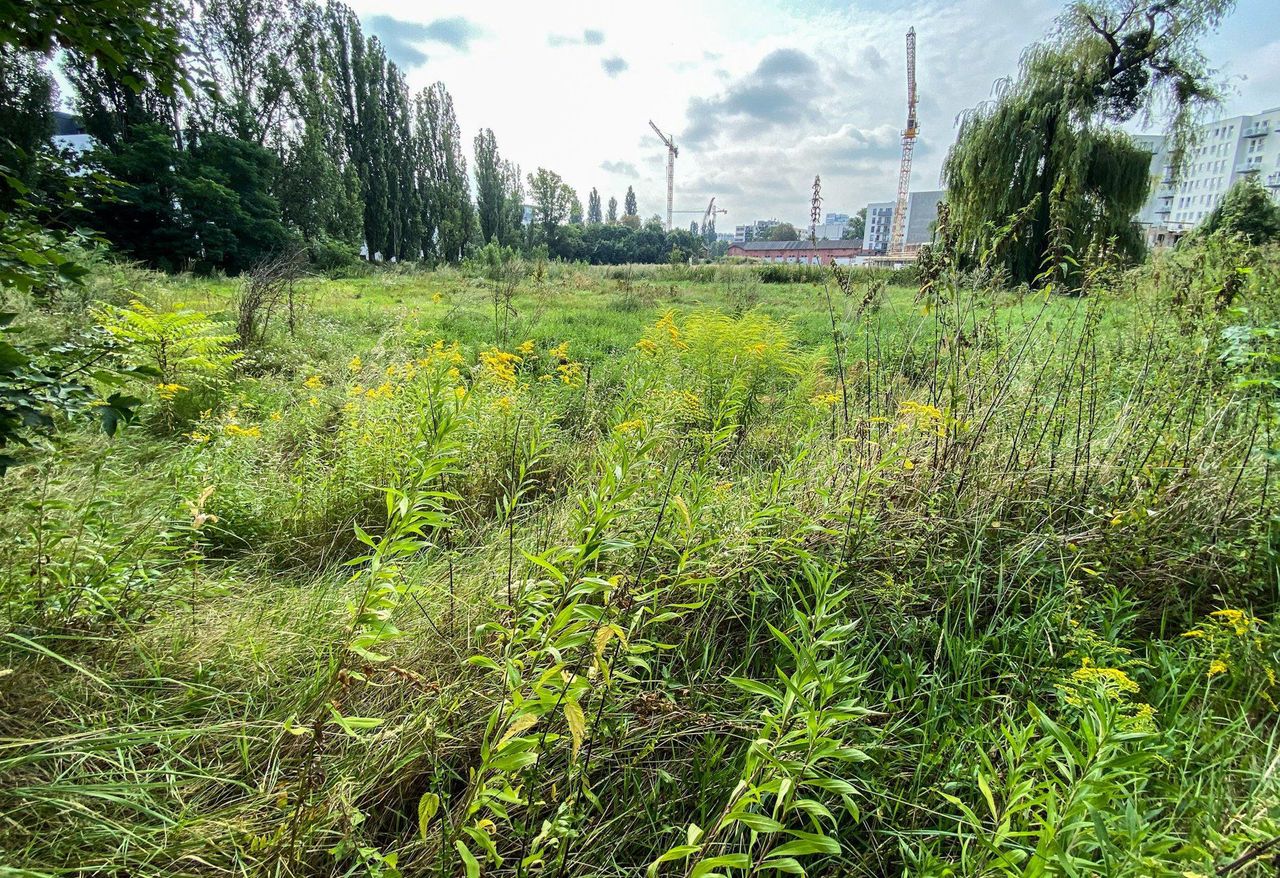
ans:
(428, 805)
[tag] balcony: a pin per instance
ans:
(1258, 129)
(1249, 168)
(1273, 179)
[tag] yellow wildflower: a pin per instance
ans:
(199, 437)
(825, 400)
(169, 391)
(313, 401)
(1238, 620)
(356, 364)
(313, 382)
(646, 346)
(253, 431)
(526, 347)
(1113, 680)
(276, 416)
(908, 465)
(459, 393)
(1194, 632)
(503, 403)
(501, 364)
(1217, 666)
(632, 426)
(570, 373)
(560, 351)
(437, 298)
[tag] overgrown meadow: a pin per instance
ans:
(717, 570)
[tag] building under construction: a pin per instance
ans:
(917, 223)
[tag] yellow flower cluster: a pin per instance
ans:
(500, 364)
(646, 346)
(253, 431)
(667, 324)
(356, 364)
(526, 348)
(313, 382)
(169, 391)
(633, 426)
(1240, 622)
(825, 401)
(560, 351)
(1113, 681)
(922, 416)
(570, 373)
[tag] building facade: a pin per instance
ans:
(753, 231)
(800, 252)
(1226, 150)
(922, 213)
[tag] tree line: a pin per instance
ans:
(291, 127)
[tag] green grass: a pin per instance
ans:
(682, 589)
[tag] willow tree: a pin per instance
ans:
(1042, 170)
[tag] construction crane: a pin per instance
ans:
(672, 152)
(897, 242)
(709, 218)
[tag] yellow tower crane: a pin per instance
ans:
(897, 235)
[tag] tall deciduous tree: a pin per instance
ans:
(491, 186)
(612, 215)
(594, 214)
(629, 205)
(553, 199)
(1040, 170)
(244, 53)
(446, 192)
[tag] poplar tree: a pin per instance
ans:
(612, 215)
(594, 216)
(629, 206)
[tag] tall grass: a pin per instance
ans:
(437, 608)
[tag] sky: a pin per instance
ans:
(760, 95)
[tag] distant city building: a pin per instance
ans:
(801, 252)
(724, 236)
(753, 231)
(837, 219)
(68, 133)
(830, 231)
(1226, 150)
(922, 213)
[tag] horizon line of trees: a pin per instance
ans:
(293, 128)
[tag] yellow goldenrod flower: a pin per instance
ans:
(313, 401)
(253, 431)
(169, 391)
(313, 382)
(199, 437)
(632, 426)
(646, 346)
(438, 297)
(908, 465)
(825, 400)
(560, 351)
(1217, 666)
(356, 364)
(526, 347)
(276, 416)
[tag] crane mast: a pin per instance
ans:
(897, 243)
(672, 152)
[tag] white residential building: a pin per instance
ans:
(922, 213)
(1225, 151)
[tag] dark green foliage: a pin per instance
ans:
(629, 204)
(783, 232)
(1247, 211)
(42, 385)
(612, 215)
(26, 111)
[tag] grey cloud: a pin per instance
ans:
(401, 38)
(613, 66)
(870, 57)
(780, 91)
(590, 37)
(625, 169)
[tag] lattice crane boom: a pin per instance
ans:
(672, 152)
(897, 242)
